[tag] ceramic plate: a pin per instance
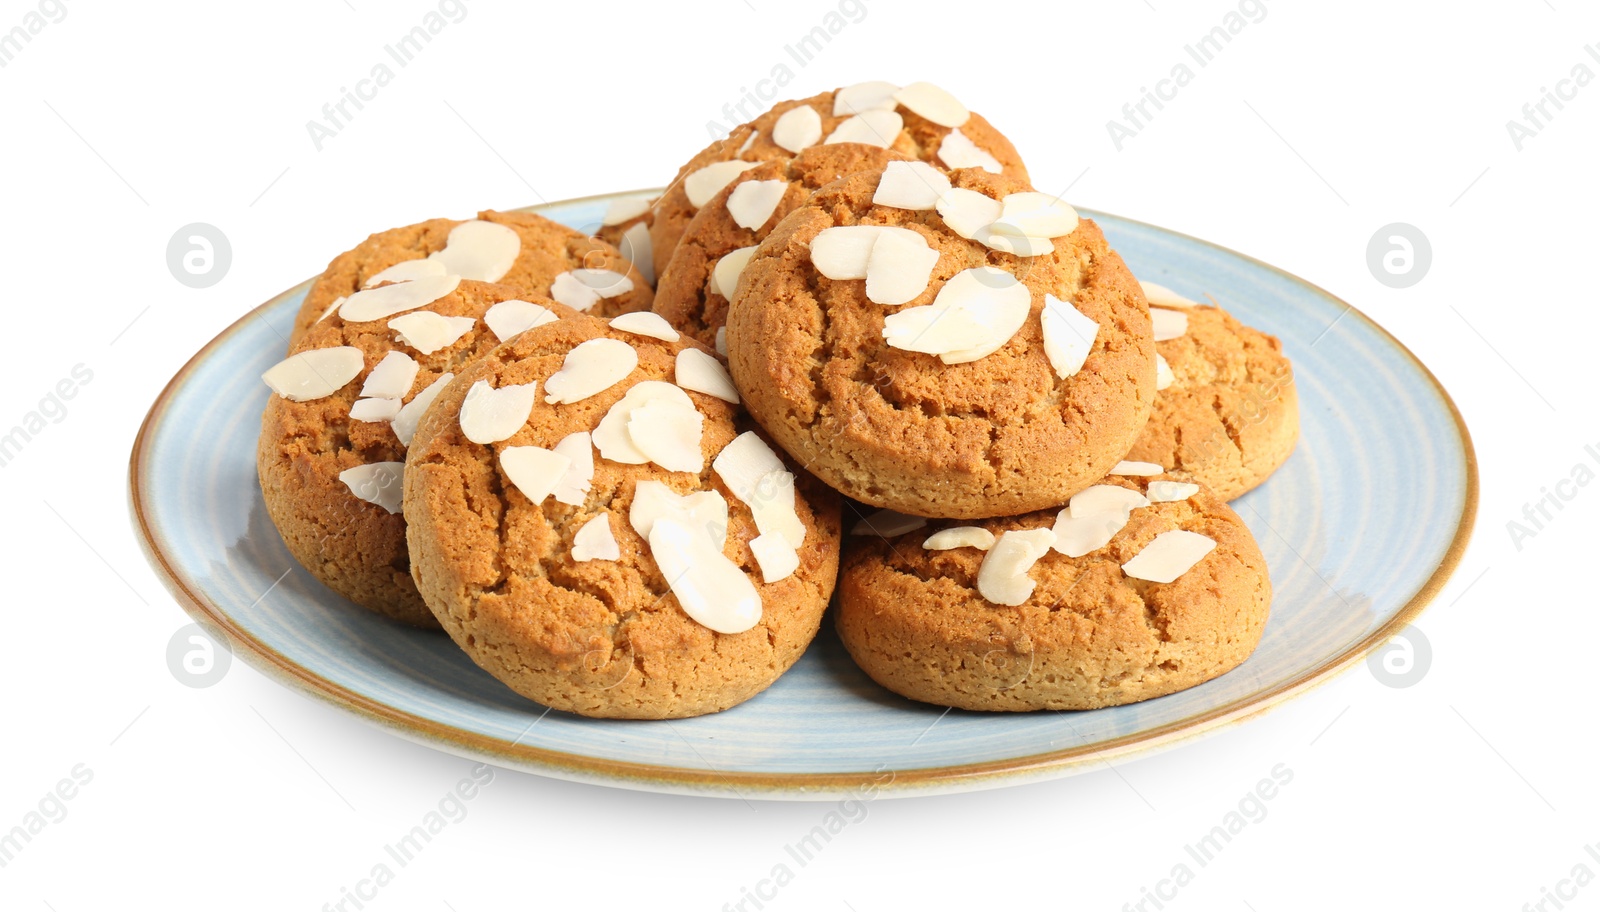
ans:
(1381, 445)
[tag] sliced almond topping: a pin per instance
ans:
(775, 556)
(611, 435)
(427, 332)
(635, 248)
(374, 409)
(1169, 556)
(722, 341)
(757, 477)
(864, 96)
(1003, 575)
(709, 587)
(1104, 498)
(898, 267)
(1170, 491)
(931, 330)
(725, 275)
(392, 378)
(957, 151)
(933, 103)
(645, 323)
(405, 423)
(843, 252)
(1016, 246)
(573, 488)
(314, 374)
(376, 483)
(743, 463)
(1168, 324)
(749, 140)
(484, 251)
(1136, 468)
(490, 415)
(1068, 336)
(798, 128)
(1164, 375)
(911, 185)
(581, 289)
(626, 209)
(406, 272)
(707, 182)
(705, 511)
(960, 537)
(591, 367)
(594, 541)
(972, 316)
(337, 303)
(1093, 517)
(967, 212)
(508, 318)
(534, 470)
(669, 432)
(1162, 296)
(753, 202)
(888, 524)
(872, 128)
(695, 370)
(378, 303)
(1037, 215)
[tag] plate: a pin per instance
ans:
(1381, 445)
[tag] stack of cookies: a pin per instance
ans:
(850, 348)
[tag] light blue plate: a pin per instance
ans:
(1381, 445)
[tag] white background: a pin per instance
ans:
(1474, 788)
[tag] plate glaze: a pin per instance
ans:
(1381, 444)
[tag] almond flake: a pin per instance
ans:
(573, 488)
(842, 252)
(1093, 517)
(635, 248)
(888, 524)
(594, 541)
(749, 140)
(932, 103)
(314, 374)
(508, 318)
(1003, 575)
(1164, 375)
(378, 303)
(798, 128)
(775, 556)
(406, 272)
(695, 370)
(1168, 324)
(982, 305)
(710, 588)
(1104, 498)
(1169, 556)
(872, 128)
(427, 332)
(930, 329)
(707, 182)
(374, 410)
(898, 267)
(376, 483)
(669, 434)
(1012, 244)
(753, 202)
(1068, 336)
(967, 212)
(611, 435)
(392, 378)
(626, 210)
(1170, 491)
(755, 475)
(405, 423)
(534, 470)
(337, 303)
(478, 250)
(911, 185)
(581, 289)
(591, 367)
(957, 151)
(722, 341)
(645, 323)
(490, 415)
(725, 275)
(864, 96)
(960, 537)
(1143, 469)
(1037, 215)
(1162, 296)
(702, 510)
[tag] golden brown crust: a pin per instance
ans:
(1231, 416)
(548, 249)
(683, 295)
(919, 138)
(994, 437)
(600, 638)
(1089, 636)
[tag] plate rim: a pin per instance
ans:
(779, 785)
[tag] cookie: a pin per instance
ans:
(1163, 594)
(918, 121)
(934, 373)
(1226, 410)
(694, 290)
(536, 256)
(330, 463)
(627, 551)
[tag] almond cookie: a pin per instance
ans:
(886, 338)
(918, 121)
(1138, 588)
(1226, 410)
(588, 521)
(694, 290)
(346, 403)
(521, 250)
